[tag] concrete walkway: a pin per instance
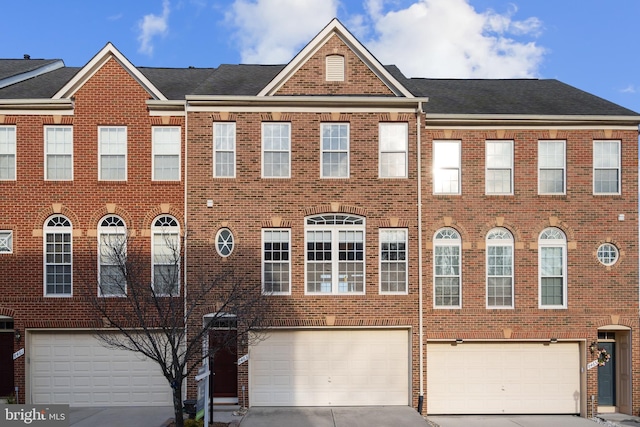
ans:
(510, 421)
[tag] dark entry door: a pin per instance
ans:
(607, 377)
(6, 363)
(224, 382)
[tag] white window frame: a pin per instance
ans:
(447, 238)
(225, 242)
(112, 148)
(61, 226)
(173, 149)
(278, 150)
(499, 238)
(283, 266)
(6, 242)
(330, 150)
(390, 236)
(66, 150)
(224, 143)
(167, 228)
(543, 166)
(112, 229)
(598, 166)
(335, 227)
(498, 162)
(444, 161)
(552, 238)
(8, 153)
(607, 254)
(390, 148)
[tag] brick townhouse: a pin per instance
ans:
(459, 246)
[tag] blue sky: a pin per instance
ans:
(591, 44)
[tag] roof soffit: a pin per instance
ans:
(337, 29)
(108, 52)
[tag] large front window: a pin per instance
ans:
(552, 255)
(499, 268)
(335, 150)
(446, 269)
(57, 256)
(393, 261)
(166, 256)
(58, 152)
(276, 150)
(276, 265)
(7, 153)
(335, 254)
(112, 253)
(446, 167)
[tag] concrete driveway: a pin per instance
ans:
(373, 416)
(511, 421)
(139, 416)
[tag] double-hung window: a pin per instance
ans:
(57, 257)
(335, 254)
(166, 153)
(58, 153)
(499, 167)
(447, 247)
(551, 167)
(552, 259)
(224, 150)
(112, 253)
(276, 150)
(446, 167)
(499, 268)
(335, 150)
(393, 150)
(112, 153)
(7, 153)
(393, 261)
(276, 261)
(165, 252)
(606, 167)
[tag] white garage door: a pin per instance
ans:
(330, 368)
(503, 378)
(75, 369)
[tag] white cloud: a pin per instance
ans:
(153, 25)
(428, 38)
(629, 89)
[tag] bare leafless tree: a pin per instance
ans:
(142, 305)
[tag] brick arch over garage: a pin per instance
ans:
(6, 311)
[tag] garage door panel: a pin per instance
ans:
(338, 367)
(75, 369)
(484, 378)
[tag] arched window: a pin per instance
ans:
(499, 268)
(335, 254)
(447, 283)
(165, 253)
(58, 265)
(112, 256)
(552, 262)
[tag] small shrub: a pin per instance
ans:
(193, 423)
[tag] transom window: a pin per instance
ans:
(166, 153)
(607, 254)
(112, 253)
(335, 254)
(606, 167)
(57, 256)
(393, 150)
(551, 167)
(446, 167)
(7, 153)
(6, 241)
(276, 264)
(58, 149)
(552, 253)
(499, 163)
(165, 252)
(276, 150)
(112, 153)
(224, 150)
(335, 150)
(224, 242)
(393, 261)
(499, 268)
(446, 269)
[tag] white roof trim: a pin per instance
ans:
(101, 58)
(17, 78)
(335, 27)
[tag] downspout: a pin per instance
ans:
(420, 313)
(184, 234)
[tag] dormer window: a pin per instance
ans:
(335, 68)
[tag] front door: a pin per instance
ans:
(6, 363)
(607, 377)
(224, 381)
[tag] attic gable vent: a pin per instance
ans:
(335, 68)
